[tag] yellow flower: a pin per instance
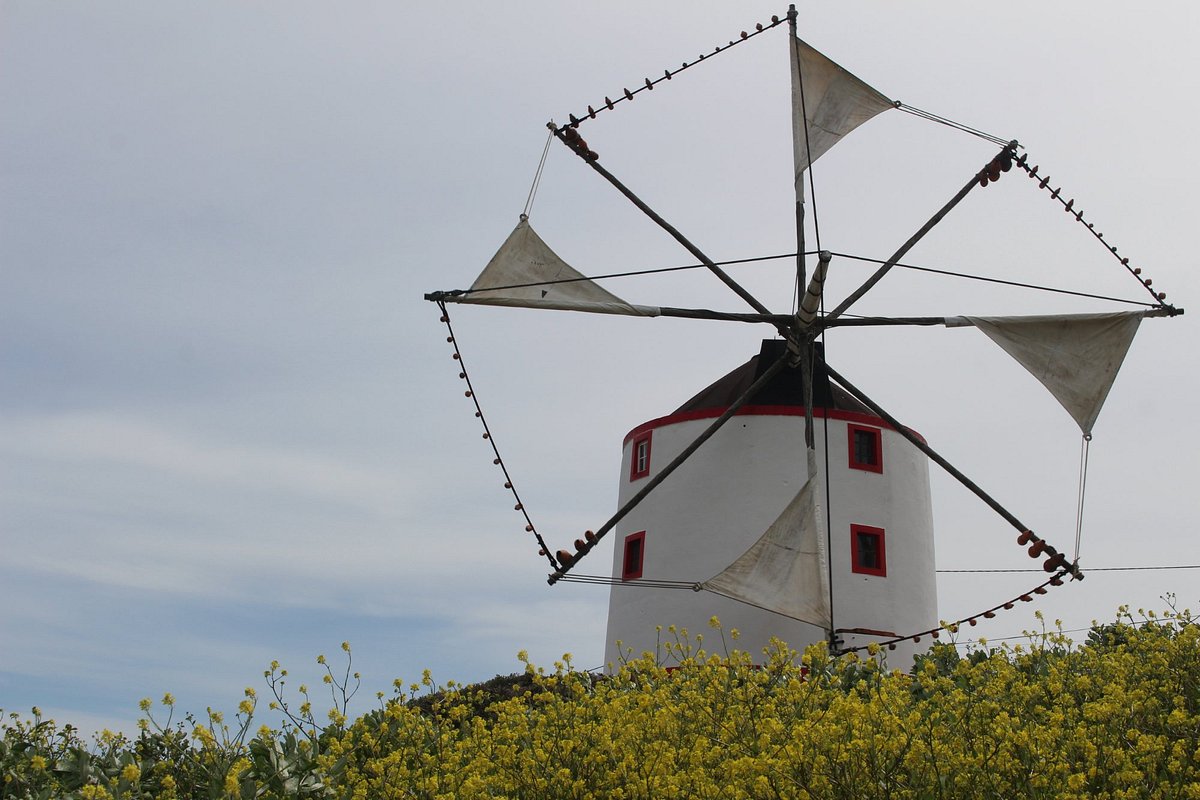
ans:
(235, 771)
(131, 772)
(38, 763)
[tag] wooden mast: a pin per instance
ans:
(807, 349)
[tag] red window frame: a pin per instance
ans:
(856, 556)
(633, 556)
(640, 470)
(852, 432)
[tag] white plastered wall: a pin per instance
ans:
(721, 500)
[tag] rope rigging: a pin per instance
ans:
(1069, 206)
(889, 642)
(928, 115)
(648, 85)
(839, 254)
(1002, 282)
(487, 435)
(972, 621)
(537, 178)
(1084, 449)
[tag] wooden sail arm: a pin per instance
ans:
(584, 546)
(571, 138)
(1039, 546)
(863, 322)
(979, 179)
(777, 320)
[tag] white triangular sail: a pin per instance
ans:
(834, 102)
(787, 569)
(525, 272)
(1075, 356)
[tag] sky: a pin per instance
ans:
(231, 430)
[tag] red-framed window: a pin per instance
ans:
(868, 553)
(639, 460)
(633, 556)
(866, 447)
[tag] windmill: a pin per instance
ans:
(790, 545)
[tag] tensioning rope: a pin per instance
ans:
(850, 256)
(537, 177)
(630, 274)
(928, 115)
(1084, 448)
(1001, 281)
(487, 435)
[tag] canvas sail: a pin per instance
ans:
(787, 569)
(830, 100)
(1075, 356)
(525, 272)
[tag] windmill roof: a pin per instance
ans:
(785, 389)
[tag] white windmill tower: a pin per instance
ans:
(781, 498)
(867, 561)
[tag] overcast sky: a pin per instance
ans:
(231, 429)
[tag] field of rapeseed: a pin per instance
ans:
(1112, 717)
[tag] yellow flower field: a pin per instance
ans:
(1113, 717)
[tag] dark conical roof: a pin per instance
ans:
(785, 389)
